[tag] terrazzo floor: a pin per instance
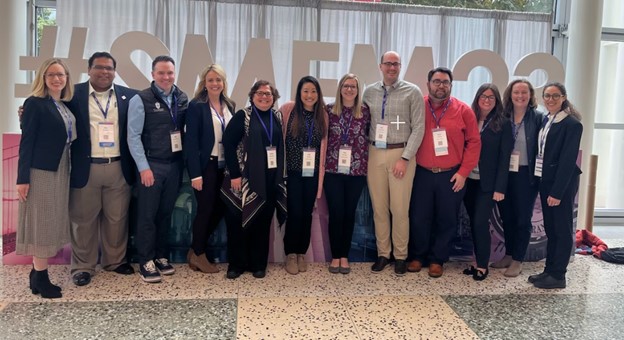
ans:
(319, 305)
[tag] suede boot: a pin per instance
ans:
(41, 285)
(301, 263)
(200, 263)
(502, 263)
(514, 269)
(291, 264)
(30, 281)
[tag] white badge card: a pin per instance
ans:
(440, 143)
(307, 168)
(106, 134)
(221, 156)
(514, 161)
(271, 157)
(381, 136)
(539, 163)
(344, 160)
(176, 141)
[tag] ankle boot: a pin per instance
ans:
(301, 263)
(30, 281)
(291, 264)
(41, 285)
(502, 263)
(200, 263)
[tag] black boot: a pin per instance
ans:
(32, 273)
(41, 284)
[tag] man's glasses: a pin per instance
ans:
(390, 64)
(438, 82)
(264, 94)
(555, 96)
(103, 68)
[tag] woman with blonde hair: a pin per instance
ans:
(48, 128)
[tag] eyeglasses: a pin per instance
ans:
(484, 97)
(555, 96)
(390, 64)
(264, 94)
(103, 68)
(438, 82)
(349, 87)
(56, 75)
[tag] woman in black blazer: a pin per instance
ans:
(207, 116)
(559, 141)
(487, 182)
(48, 128)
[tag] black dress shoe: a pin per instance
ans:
(470, 271)
(400, 267)
(81, 278)
(233, 274)
(124, 269)
(479, 275)
(536, 277)
(380, 264)
(550, 282)
(258, 274)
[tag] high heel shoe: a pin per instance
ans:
(470, 271)
(480, 275)
(41, 284)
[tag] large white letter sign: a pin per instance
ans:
(122, 49)
(258, 64)
(486, 58)
(365, 65)
(306, 51)
(540, 61)
(195, 57)
(419, 66)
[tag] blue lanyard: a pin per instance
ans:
(485, 124)
(344, 130)
(269, 135)
(437, 120)
(383, 103)
(516, 129)
(310, 128)
(173, 109)
(221, 119)
(69, 120)
(104, 112)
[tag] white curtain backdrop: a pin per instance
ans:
(230, 25)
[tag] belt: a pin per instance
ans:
(107, 160)
(392, 146)
(437, 170)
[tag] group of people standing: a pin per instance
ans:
(420, 155)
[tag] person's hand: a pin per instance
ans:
(235, 183)
(459, 182)
(498, 196)
(400, 167)
(197, 183)
(147, 178)
(22, 191)
(552, 202)
(20, 112)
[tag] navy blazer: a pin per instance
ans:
(560, 153)
(496, 150)
(81, 147)
(43, 140)
(199, 138)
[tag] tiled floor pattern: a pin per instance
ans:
(319, 305)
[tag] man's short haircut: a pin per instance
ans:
(162, 58)
(102, 55)
(440, 69)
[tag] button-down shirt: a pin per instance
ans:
(96, 117)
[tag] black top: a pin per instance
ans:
(295, 146)
(496, 150)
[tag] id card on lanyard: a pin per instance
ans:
(381, 129)
(271, 151)
(106, 132)
(220, 148)
(176, 135)
(440, 140)
(309, 154)
(539, 161)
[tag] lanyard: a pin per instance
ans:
(68, 117)
(485, 124)
(545, 131)
(310, 128)
(104, 112)
(516, 129)
(269, 134)
(221, 119)
(383, 103)
(173, 109)
(437, 120)
(344, 129)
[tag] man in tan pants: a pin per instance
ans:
(397, 128)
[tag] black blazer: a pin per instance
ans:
(81, 147)
(496, 150)
(43, 140)
(199, 138)
(560, 153)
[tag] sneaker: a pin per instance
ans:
(149, 273)
(400, 267)
(164, 267)
(380, 264)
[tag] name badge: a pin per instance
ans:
(539, 164)
(221, 156)
(514, 161)
(344, 160)
(307, 168)
(381, 136)
(440, 143)
(106, 134)
(271, 157)
(176, 141)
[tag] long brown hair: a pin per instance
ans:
(566, 105)
(497, 119)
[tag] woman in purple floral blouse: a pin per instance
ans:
(345, 168)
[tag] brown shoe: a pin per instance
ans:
(414, 266)
(301, 263)
(435, 270)
(291, 264)
(200, 263)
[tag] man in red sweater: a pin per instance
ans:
(449, 151)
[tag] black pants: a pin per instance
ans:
(248, 248)
(210, 207)
(154, 207)
(516, 212)
(342, 193)
(479, 206)
(301, 195)
(434, 207)
(559, 227)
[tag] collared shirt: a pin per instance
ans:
(96, 117)
(404, 103)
